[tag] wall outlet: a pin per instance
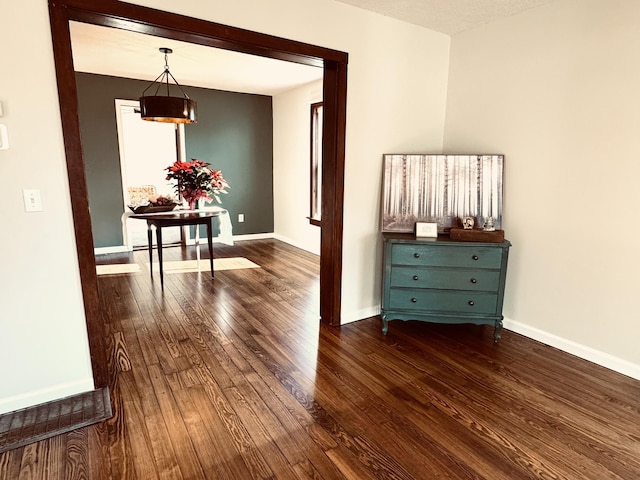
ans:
(32, 200)
(241, 217)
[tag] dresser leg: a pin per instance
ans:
(385, 325)
(497, 331)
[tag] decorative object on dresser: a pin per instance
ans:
(441, 189)
(466, 235)
(426, 230)
(488, 225)
(444, 281)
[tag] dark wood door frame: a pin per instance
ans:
(112, 13)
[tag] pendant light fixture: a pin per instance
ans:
(165, 108)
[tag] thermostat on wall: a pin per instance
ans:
(424, 229)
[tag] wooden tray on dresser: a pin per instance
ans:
(462, 235)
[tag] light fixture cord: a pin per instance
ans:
(164, 77)
(166, 70)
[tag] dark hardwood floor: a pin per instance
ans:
(234, 378)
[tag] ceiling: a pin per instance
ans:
(110, 51)
(447, 16)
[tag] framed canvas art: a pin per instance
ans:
(441, 189)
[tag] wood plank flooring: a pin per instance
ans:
(234, 378)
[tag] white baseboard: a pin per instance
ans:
(236, 238)
(105, 250)
(29, 399)
(356, 315)
(253, 236)
(190, 241)
(587, 353)
(295, 244)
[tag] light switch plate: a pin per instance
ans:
(424, 229)
(32, 200)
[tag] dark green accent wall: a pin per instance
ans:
(234, 133)
(96, 110)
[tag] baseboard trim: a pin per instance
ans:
(45, 395)
(107, 250)
(190, 241)
(295, 244)
(236, 238)
(592, 355)
(253, 236)
(587, 353)
(361, 314)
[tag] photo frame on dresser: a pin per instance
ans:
(442, 189)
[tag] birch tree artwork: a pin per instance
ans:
(440, 189)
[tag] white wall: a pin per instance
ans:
(396, 104)
(396, 101)
(557, 90)
(43, 342)
(291, 164)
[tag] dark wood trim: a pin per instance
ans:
(149, 21)
(313, 179)
(136, 18)
(67, 93)
(333, 150)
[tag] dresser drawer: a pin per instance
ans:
(446, 256)
(447, 278)
(443, 301)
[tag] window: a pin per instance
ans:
(316, 164)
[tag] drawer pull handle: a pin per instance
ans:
(414, 300)
(475, 257)
(471, 303)
(417, 255)
(415, 277)
(473, 280)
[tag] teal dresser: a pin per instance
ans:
(444, 281)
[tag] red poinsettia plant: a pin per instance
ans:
(197, 181)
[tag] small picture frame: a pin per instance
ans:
(468, 223)
(426, 230)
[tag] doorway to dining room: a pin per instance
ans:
(121, 15)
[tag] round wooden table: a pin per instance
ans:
(177, 218)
